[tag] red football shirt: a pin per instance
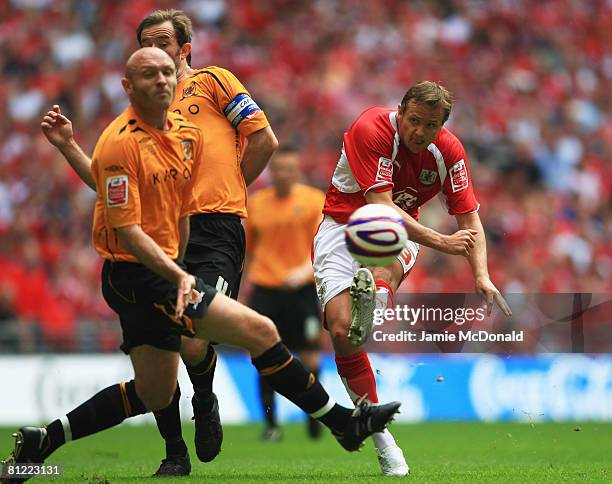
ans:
(373, 158)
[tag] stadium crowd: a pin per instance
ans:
(532, 105)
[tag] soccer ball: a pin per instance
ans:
(375, 234)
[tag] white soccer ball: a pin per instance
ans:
(375, 234)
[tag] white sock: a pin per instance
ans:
(66, 426)
(383, 439)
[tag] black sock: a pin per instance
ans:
(107, 408)
(314, 427)
(201, 376)
(288, 377)
(266, 396)
(169, 425)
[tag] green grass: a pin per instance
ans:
(436, 452)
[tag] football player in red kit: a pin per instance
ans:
(402, 158)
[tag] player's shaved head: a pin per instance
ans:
(150, 81)
(143, 56)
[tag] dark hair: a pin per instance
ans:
(180, 21)
(288, 148)
(431, 93)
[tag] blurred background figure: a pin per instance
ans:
(283, 219)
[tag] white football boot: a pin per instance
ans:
(392, 462)
(363, 302)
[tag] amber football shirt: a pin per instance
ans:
(143, 176)
(280, 232)
(215, 100)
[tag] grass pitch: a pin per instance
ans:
(436, 452)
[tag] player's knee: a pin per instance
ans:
(267, 330)
(193, 350)
(262, 334)
(339, 334)
(338, 325)
(391, 274)
(155, 397)
(384, 273)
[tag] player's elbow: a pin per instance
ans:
(264, 141)
(127, 236)
(272, 142)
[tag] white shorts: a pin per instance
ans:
(334, 267)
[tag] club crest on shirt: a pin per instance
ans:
(385, 170)
(458, 176)
(187, 150)
(428, 177)
(189, 90)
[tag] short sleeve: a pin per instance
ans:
(367, 149)
(117, 182)
(458, 189)
(188, 195)
(234, 101)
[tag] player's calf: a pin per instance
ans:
(287, 376)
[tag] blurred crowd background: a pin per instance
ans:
(531, 80)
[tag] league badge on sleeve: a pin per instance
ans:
(458, 176)
(116, 191)
(385, 170)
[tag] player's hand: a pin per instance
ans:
(491, 294)
(184, 293)
(460, 243)
(57, 127)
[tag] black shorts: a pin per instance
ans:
(145, 303)
(215, 252)
(296, 314)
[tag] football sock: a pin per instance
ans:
(266, 395)
(384, 295)
(383, 439)
(201, 376)
(169, 425)
(107, 408)
(357, 376)
(287, 376)
(314, 427)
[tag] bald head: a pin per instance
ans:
(143, 57)
(150, 81)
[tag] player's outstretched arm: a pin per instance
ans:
(478, 262)
(144, 248)
(261, 144)
(459, 243)
(58, 130)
